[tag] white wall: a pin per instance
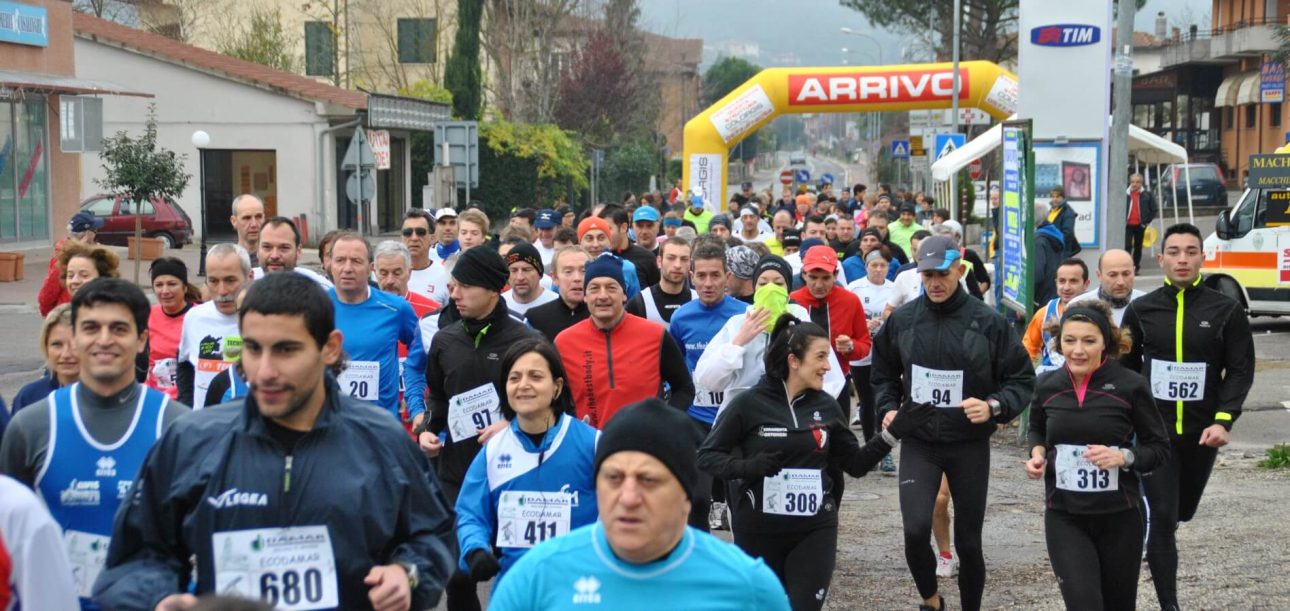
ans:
(236, 115)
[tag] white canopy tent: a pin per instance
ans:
(1146, 148)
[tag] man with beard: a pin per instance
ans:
(280, 251)
(659, 302)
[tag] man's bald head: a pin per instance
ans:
(1115, 273)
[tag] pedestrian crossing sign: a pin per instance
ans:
(900, 149)
(948, 143)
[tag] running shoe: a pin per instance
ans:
(943, 606)
(888, 466)
(946, 566)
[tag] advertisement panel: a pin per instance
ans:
(1016, 227)
(1076, 167)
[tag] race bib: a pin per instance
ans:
(87, 553)
(939, 387)
(793, 492)
(1077, 474)
(361, 380)
(289, 568)
(707, 398)
(1171, 381)
(164, 371)
(525, 519)
(473, 410)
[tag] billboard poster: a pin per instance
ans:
(1076, 168)
(1017, 228)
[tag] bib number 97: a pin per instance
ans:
(800, 502)
(291, 587)
(481, 419)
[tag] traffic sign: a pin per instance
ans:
(359, 154)
(948, 143)
(360, 187)
(974, 169)
(826, 178)
(900, 149)
(916, 146)
(803, 176)
(786, 177)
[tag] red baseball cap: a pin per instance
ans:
(820, 257)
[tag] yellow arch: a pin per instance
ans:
(776, 91)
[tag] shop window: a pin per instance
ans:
(1274, 114)
(24, 174)
(416, 41)
(1251, 115)
(320, 49)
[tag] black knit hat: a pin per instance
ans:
(526, 253)
(655, 428)
(481, 267)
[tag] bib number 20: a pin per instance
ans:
(358, 388)
(291, 587)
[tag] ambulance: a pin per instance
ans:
(1248, 256)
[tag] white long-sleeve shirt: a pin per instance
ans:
(732, 369)
(38, 572)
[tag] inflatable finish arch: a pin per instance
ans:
(776, 91)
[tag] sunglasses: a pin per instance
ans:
(421, 231)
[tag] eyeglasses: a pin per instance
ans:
(421, 231)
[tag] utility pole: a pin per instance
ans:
(954, 105)
(1121, 86)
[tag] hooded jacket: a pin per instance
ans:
(844, 315)
(1048, 257)
(959, 334)
(218, 470)
(1193, 324)
(809, 432)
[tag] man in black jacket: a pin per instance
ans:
(1200, 368)
(646, 262)
(1048, 256)
(462, 370)
(569, 265)
(251, 488)
(954, 351)
(1142, 210)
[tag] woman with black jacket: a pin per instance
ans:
(777, 442)
(1083, 424)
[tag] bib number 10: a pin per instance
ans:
(292, 587)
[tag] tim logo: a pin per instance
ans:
(1065, 35)
(586, 591)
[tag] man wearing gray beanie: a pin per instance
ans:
(640, 554)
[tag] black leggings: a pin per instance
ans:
(1096, 558)
(704, 487)
(802, 561)
(1133, 238)
(966, 464)
(866, 409)
(460, 593)
(1173, 491)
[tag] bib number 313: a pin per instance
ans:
(1077, 474)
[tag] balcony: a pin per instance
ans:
(1224, 45)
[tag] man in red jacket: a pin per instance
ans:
(614, 358)
(834, 308)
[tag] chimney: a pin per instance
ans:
(1177, 34)
(1162, 25)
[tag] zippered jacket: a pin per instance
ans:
(845, 316)
(610, 369)
(218, 470)
(1195, 324)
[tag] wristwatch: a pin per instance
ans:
(996, 409)
(411, 570)
(1128, 458)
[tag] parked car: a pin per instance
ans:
(161, 219)
(1208, 187)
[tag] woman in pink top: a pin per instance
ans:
(175, 296)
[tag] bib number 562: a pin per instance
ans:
(1185, 390)
(291, 587)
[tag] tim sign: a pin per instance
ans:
(875, 87)
(1065, 35)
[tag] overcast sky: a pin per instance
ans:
(806, 32)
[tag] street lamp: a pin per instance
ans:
(876, 44)
(201, 140)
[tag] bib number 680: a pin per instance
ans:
(292, 587)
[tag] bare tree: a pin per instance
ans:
(376, 42)
(527, 45)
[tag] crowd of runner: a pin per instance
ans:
(569, 407)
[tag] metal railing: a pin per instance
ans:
(1194, 33)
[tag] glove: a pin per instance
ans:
(910, 417)
(483, 566)
(763, 464)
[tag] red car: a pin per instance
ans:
(161, 219)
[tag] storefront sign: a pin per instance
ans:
(1272, 82)
(1270, 171)
(24, 24)
(1278, 209)
(379, 141)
